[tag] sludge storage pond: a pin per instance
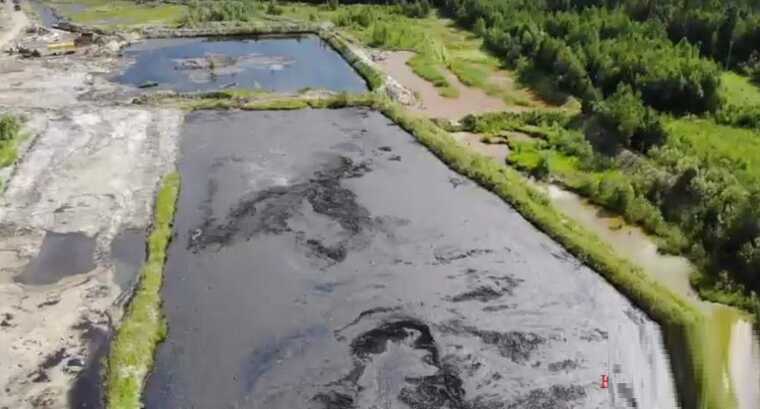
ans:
(323, 258)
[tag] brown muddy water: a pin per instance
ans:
(324, 259)
(742, 364)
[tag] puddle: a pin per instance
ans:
(48, 16)
(61, 255)
(87, 390)
(283, 64)
(629, 241)
(447, 297)
(128, 254)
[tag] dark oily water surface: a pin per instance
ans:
(87, 390)
(61, 255)
(127, 255)
(282, 64)
(47, 15)
(324, 259)
(128, 252)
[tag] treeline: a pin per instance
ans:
(727, 31)
(222, 10)
(593, 50)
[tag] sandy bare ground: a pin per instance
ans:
(470, 100)
(12, 22)
(91, 165)
(94, 171)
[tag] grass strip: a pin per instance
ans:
(143, 327)
(373, 77)
(119, 12)
(10, 137)
(427, 69)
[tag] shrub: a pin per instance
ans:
(274, 9)
(222, 10)
(625, 119)
(9, 127)
(415, 9)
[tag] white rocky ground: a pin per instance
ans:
(90, 164)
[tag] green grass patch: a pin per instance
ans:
(472, 75)
(736, 149)
(739, 90)
(10, 137)
(119, 12)
(144, 326)
(428, 69)
(216, 100)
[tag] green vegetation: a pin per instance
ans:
(739, 90)
(372, 76)
(119, 12)
(742, 102)
(696, 190)
(143, 326)
(591, 51)
(389, 28)
(227, 10)
(439, 45)
(10, 135)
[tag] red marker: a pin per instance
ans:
(605, 381)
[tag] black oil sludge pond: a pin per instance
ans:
(283, 64)
(324, 259)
